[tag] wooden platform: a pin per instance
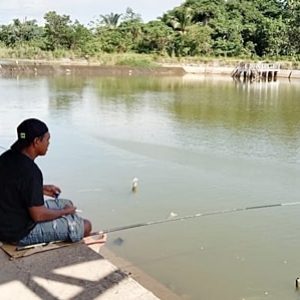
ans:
(259, 71)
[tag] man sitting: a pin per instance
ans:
(25, 218)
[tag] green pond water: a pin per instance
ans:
(196, 144)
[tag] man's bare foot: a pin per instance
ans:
(95, 238)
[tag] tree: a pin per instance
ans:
(58, 31)
(271, 37)
(115, 37)
(130, 15)
(271, 31)
(132, 31)
(20, 32)
(197, 41)
(205, 10)
(260, 26)
(292, 15)
(81, 37)
(157, 37)
(111, 20)
(179, 19)
(112, 41)
(196, 27)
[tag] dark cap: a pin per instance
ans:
(27, 131)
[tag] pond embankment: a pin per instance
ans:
(217, 69)
(84, 67)
(15, 67)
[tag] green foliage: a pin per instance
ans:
(58, 31)
(62, 33)
(205, 10)
(292, 9)
(196, 41)
(225, 28)
(157, 38)
(113, 41)
(132, 32)
(111, 20)
(136, 61)
(179, 18)
(19, 32)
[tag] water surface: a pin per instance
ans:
(196, 145)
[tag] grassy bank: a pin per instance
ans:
(131, 59)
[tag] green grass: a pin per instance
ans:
(136, 61)
(30, 52)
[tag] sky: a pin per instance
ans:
(84, 11)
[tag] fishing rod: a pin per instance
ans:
(204, 214)
(174, 219)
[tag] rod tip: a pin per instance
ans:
(297, 282)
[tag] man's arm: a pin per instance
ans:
(42, 213)
(51, 190)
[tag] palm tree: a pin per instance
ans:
(179, 19)
(111, 20)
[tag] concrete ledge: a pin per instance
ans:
(292, 74)
(75, 272)
(137, 274)
(207, 69)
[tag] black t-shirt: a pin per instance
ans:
(21, 187)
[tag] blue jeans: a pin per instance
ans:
(66, 228)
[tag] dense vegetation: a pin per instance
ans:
(232, 28)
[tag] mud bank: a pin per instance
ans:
(38, 68)
(68, 67)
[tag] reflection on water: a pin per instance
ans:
(196, 144)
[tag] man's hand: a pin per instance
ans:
(69, 210)
(42, 213)
(51, 190)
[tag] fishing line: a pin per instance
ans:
(204, 214)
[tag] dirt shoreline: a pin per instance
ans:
(17, 67)
(84, 67)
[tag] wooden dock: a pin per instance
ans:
(256, 72)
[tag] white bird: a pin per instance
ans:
(134, 184)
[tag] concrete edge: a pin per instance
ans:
(36, 67)
(148, 282)
(44, 276)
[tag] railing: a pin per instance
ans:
(258, 71)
